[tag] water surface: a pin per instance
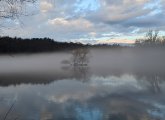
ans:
(115, 86)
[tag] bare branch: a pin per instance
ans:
(13, 8)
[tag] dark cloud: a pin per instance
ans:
(146, 22)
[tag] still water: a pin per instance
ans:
(97, 92)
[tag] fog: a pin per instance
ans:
(128, 60)
(104, 62)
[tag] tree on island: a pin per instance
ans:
(80, 57)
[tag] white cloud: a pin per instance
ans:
(93, 34)
(79, 24)
(45, 6)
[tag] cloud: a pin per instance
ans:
(70, 27)
(45, 6)
(95, 20)
(78, 24)
(120, 10)
(115, 41)
(146, 22)
(93, 34)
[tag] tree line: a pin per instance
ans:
(19, 45)
(34, 45)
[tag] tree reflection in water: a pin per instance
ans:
(78, 64)
(154, 81)
(81, 73)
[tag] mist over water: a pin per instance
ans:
(117, 84)
(102, 62)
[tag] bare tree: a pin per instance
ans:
(163, 40)
(80, 57)
(152, 39)
(152, 36)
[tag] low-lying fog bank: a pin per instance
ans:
(102, 62)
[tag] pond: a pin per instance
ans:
(102, 91)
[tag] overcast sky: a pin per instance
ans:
(89, 21)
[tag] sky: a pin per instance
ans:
(88, 21)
